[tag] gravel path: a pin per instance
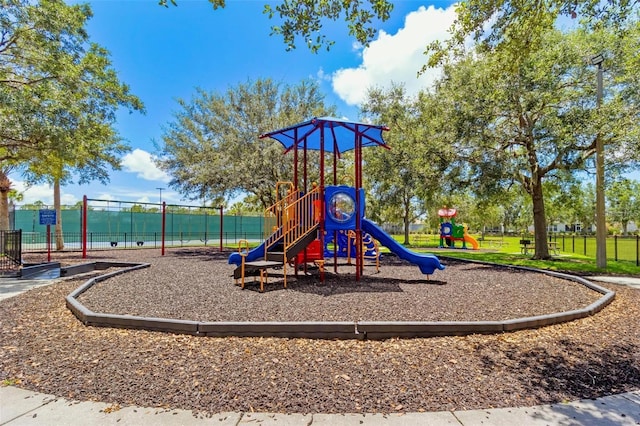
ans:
(45, 348)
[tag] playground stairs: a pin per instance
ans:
(293, 222)
(278, 253)
(275, 255)
(253, 269)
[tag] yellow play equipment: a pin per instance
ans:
(370, 248)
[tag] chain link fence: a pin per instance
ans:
(126, 225)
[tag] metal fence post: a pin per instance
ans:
(221, 226)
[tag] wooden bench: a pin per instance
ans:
(525, 246)
(553, 247)
(498, 243)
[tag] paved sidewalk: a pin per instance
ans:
(21, 407)
(628, 281)
(10, 287)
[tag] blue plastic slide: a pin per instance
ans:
(426, 262)
(254, 254)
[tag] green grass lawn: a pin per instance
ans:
(506, 250)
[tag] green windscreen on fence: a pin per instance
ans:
(179, 224)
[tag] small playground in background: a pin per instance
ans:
(450, 232)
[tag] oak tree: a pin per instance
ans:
(527, 124)
(212, 148)
(58, 95)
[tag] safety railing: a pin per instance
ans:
(301, 217)
(619, 248)
(274, 219)
(291, 218)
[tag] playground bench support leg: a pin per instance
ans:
(263, 278)
(284, 272)
(320, 264)
(241, 275)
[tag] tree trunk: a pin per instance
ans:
(5, 186)
(539, 220)
(4, 210)
(407, 213)
(56, 206)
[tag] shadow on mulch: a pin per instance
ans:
(581, 371)
(200, 254)
(335, 284)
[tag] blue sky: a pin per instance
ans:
(165, 53)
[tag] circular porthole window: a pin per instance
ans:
(342, 207)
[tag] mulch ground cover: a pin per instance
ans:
(46, 349)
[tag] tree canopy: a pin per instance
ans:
(540, 119)
(513, 28)
(58, 91)
(402, 179)
(624, 201)
(58, 95)
(213, 151)
(304, 19)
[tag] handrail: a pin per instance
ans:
(243, 250)
(366, 241)
(291, 218)
(273, 217)
(300, 217)
(290, 189)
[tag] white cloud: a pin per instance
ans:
(106, 196)
(396, 57)
(323, 76)
(140, 162)
(68, 199)
(41, 192)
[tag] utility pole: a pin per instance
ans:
(160, 189)
(601, 223)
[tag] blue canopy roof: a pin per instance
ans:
(338, 135)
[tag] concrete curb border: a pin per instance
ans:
(373, 330)
(30, 270)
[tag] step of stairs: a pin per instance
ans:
(275, 256)
(253, 268)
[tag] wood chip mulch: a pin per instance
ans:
(46, 349)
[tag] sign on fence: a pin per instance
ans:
(47, 217)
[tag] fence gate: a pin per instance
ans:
(11, 251)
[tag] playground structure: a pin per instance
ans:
(345, 246)
(309, 222)
(450, 232)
